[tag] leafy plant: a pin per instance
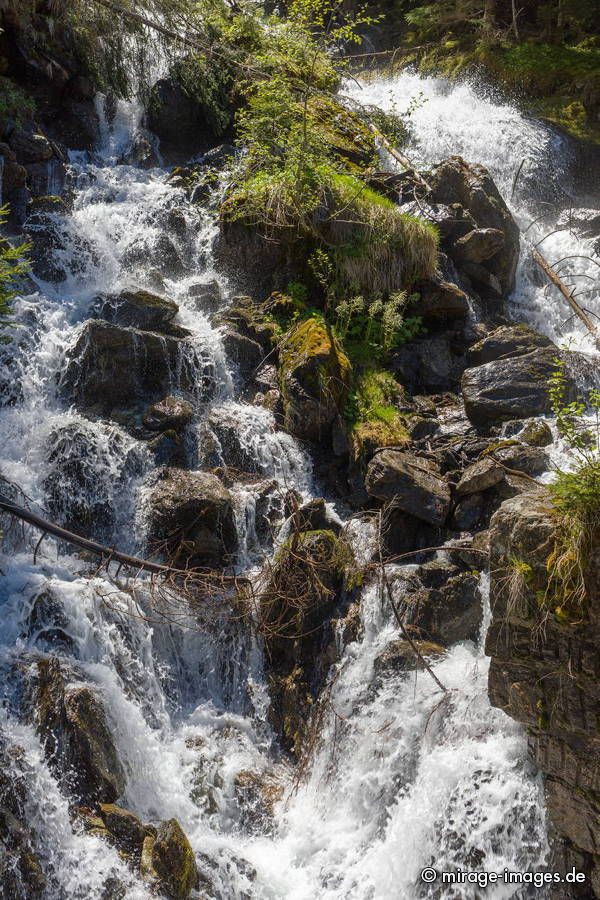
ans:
(378, 325)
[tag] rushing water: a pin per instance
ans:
(403, 777)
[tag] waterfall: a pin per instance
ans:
(402, 776)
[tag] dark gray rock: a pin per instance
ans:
(511, 388)
(412, 483)
(137, 309)
(505, 341)
(481, 475)
(170, 413)
(192, 515)
(478, 245)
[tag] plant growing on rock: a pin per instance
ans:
(576, 495)
(13, 265)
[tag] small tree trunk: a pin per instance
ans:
(489, 17)
(515, 14)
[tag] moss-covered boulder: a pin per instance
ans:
(173, 860)
(311, 578)
(314, 379)
(124, 827)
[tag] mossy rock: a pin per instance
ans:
(173, 860)
(343, 130)
(314, 378)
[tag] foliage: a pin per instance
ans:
(13, 265)
(376, 326)
(14, 103)
(576, 497)
(373, 414)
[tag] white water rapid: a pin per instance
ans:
(401, 778)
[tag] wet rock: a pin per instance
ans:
(84, 467)
(47, 622)
(179, 120)
(246, 354)
(439, 302)
(170, 413)
(113, 368)
(137, 309)
(429, 364)
(169, 449)
(456, 181)
(479, 245)
(483, 474)
(256, 794)
(536, 433)
(314, 516)
(414, 485)
(207, 295)
(21, 874)
(72, 724)
(505, 341)
(173, 860)
(511, 388)
(161, 253)
(531, 460)
(399, 657)
(126, 829)
(468, 513)
(306, 586)
(445, 605)
(314, 375)
(192, 515)
(29, 146)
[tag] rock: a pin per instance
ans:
(511, 388)
(536, 433)
(161, 253)
(137, 309)
(169, 413)
(124, 826)
(444, 606)
(256, 794)
(483, 474)
(207, 295)
(479, 245)
(180, 121)
(169, 449)
(112, 367)
(429, 364)
(531, 460)
(73, 728)
(245, 353)
(455, 181)
(399, 657)
(173, 860)
(544, 666)
(308, 582)
(439, 302)
(314, 516)
(412, 483)
(193, 514)
(29, 146)
(48, 624)
(85, 467)
(314, 376)
(21, 874)
(468, 513)
(505, 341)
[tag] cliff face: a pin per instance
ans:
(546, 674)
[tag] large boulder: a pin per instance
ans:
(444, 604)
(505, 341)
(192, 516)
(314, 377)
(455, 181)
(137, 309)
(74, 731)
(512, 388)
(430, 364)
(413, 484)
(113, 368)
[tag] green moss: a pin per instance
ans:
(375, 420)
(312, 353)
(14, 102)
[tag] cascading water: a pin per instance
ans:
(403, 776)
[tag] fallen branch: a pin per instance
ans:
(399, 157)
(386, 584)
(568, 295)
(106, 553)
